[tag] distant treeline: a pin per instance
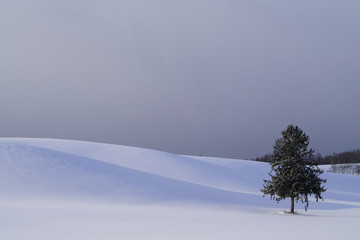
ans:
(352, 156)
(353, 169)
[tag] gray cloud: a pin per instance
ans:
(205, 77)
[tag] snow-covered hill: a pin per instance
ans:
(54, 175)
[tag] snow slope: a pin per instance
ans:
(61, 186)
(59, 168)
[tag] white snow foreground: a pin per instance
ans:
(62, 189)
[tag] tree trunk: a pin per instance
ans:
(292, 205)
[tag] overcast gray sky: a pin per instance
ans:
(210, 77)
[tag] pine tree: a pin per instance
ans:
(296, 173)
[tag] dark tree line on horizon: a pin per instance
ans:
(352, 156)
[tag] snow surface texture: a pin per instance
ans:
(62, 189)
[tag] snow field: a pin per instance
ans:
(79, 220)
(62, 189)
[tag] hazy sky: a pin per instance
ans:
(209, 77)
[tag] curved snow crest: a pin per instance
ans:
(75, 169)
(27, 169)
(152, 161)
